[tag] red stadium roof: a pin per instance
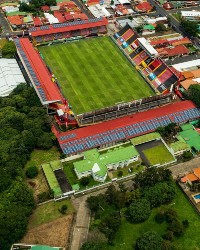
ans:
(85, 25)
(50, 88)
(125, 121)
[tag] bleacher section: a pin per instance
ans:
(38, 73)
(70, 29)
(120, 129)
(155, 71)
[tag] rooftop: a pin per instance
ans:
(191, 137)
(145, 138)
(179, 146)
(10, 76)
(98, 161)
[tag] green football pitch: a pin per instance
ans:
(93, 74)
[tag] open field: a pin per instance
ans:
(38, 157)
(158, 155)
(128, 233)
(93, 74)
(54, 233)
(49, 212)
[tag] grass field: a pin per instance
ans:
(128, 233)
(93, 74)
(49, 212)
(158, 155)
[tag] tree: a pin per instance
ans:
(176, 227)
(161, 193)
(190, 27)
(32, 172)
(95, 202)
(193, 94)
(120, 173)
(139, 29)
(9, 50)
(149, 241)
(93, 246)
(160, 27)
(151, 176)
(110, 225)
(187, 156)
(63, 209)
(85, 181)
(138, 211)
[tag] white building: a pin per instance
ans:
(10, 76)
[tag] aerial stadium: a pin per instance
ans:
(101, 83)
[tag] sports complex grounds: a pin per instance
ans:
(93, 73)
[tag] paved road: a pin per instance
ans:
(4, 23)
(185, 167)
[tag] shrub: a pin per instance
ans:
(120, 173)
(31, 172)
(160, 216)
(169, 235)
(139, 211)
(63, 209)
(187, 156)
(185, 223)
(149, 241)
(85, 181)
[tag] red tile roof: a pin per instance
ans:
(191, 177)
(50, 88)
(144, 6)
(177, 50)
(37, 21)
(59, 16)
(45, 8)
(160, 41)
(85, 25)
(15, 20)
(127, 120)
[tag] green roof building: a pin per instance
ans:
(190, 136)
(97, 164)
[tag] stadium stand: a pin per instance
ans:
(67, 30)
(110, 132)
(146, 59)
(38, 73)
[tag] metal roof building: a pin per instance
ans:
(10, 76)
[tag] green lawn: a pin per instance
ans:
(93, 74)
(128, 233)
(49, 212)
(38, 157)
(136, 168)
(68, 169)
(158, 155)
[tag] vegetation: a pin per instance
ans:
(139, 211)
(168, 131)
(32, 172)
(84, 76)
(148, 241)
(24, 126)
(160, 27)
(158, 155)
(85, 181)
(49, 211)
(190, 27)
(193, 94)
(152, 188)
(187, 156)
(35, 5)
(8, 49)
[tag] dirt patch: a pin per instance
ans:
(54, 233)
(40, 184)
